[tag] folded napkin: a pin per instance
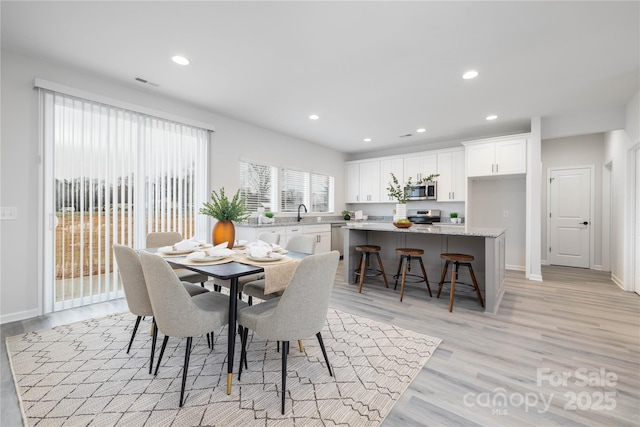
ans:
(216, 251)
(259, 249)
(186, 245)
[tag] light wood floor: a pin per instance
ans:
(492, 370)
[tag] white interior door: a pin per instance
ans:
(569, 217)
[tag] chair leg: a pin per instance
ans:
(133, 334)
(300, 346)
(250, 300)
(164, 345)
(243, 353)
(384, 275)
(285, 350)
(405, 263)
(395, 286)
(475, 285)
(208, 341)
(454, 273)
(202, 284)
(324, 352)
(185, 369)
(424, 273)
(442, 277)
(153, 343)
(363, 269)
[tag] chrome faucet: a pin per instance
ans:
(305, 210)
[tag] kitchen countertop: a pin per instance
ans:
(451, 230)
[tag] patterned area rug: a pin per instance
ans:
(80, 374)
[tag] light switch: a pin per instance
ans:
(9, 213)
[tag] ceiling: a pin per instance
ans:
(374, 70)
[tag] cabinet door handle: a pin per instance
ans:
(496, 168)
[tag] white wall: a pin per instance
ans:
(19, 283)
(582, 150)
(487, 203)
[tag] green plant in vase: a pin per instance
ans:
(346, 215)
(226, 211)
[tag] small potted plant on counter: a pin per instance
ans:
(346, 215)
(454, 217)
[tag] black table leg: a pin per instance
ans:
(233, 305)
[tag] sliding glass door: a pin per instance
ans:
(111, 176)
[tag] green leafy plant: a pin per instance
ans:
(453, 214)
(269, 214)
(397, 190)
(223, 209)
(346, 212)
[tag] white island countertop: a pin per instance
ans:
(451, 230)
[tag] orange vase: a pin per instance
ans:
(224, 231)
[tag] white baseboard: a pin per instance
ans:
(535, 277)
(617, 281)
(544, 262)
(515, 267)
(21, 315)
(598, 267)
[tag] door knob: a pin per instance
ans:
(585, 223)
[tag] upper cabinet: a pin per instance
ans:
(420, 166)
(452, 179)
(387, 167)
(500, 157)
(363, 182)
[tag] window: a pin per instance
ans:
(262, 184)
(258, 186)
(111, 176)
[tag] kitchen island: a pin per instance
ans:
(487, 245)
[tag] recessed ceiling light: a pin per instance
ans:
(470, 75)
(181, 60)
(421, 130)
(367, 140)
(492, 117)
(314, 117)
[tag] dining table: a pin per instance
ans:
(232, 268)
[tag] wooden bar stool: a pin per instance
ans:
(405, 265)
(362, 271)
(457, 260)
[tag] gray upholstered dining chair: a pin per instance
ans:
(265, 236)
(300, 312)
(269, 237)
(135, 291)
(178, 314)
(302, 243)
(158, 239)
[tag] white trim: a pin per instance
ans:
(515, 267)
(630, 249)
(79, 93)
(607, 170)
(20, 315)
(617, 281)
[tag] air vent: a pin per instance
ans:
(406, 135)
(147, 82)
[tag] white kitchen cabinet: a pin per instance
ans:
(420, 166)
(363, 182)
(387, 167)
(504, 157)
(322, 234)
(451, 182)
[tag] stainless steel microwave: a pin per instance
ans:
(426, 191)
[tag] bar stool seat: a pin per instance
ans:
(405, 265)
(363, 270)
(457, 260)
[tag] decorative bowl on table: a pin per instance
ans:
(403, 224)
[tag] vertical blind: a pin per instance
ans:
(113, 175)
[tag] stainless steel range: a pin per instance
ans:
(423, 216)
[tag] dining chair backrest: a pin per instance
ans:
(165, 238)
(302, 309)
(133, 282)
(269, 237)
(303, 243)
(175, 313)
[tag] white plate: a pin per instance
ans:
(208, 258)
(273, 257)
(183, 252)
